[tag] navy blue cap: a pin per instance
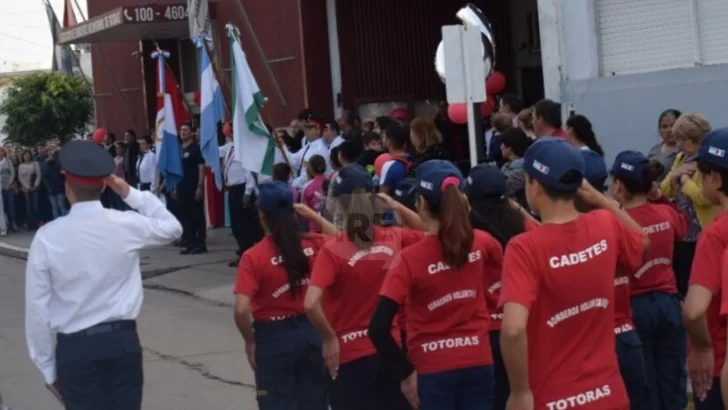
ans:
(548, 159)
(714, 147)
(404, 192)
(630, 165)
(275, 197)
(350, 178)
(595, 169)
(486, 181)
(434, 176)
(85, 163)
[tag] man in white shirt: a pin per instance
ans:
(83, 284)
(147, 166)
(316, 146)
(332, 135)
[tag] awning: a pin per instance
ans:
(133, 23)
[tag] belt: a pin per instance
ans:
(106, 327)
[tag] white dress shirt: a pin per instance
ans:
(336, 142)
(233, 171)
(303, 155)
(251, 182)
(147, 169)
(83, 269)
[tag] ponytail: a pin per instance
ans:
(456, 233)
(295, 261)
(360, 217)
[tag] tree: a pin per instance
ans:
(40, 105)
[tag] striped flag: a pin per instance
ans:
(211, 112)
(256, 145)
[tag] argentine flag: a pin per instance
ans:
(256, 145)
(211, 112)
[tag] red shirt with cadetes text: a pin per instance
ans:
(664, 225)
(706, 272)
(262, 278)
(351, 279)
(447, 316)
(564, 275)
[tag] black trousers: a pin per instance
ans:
(192, 213)
(101, 367)
(235, 206)
(251, 230)
(145, 186)
(682, 262)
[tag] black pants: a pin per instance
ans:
(682, 261)
(145, 186)
(251, 230)
(101, 367)
(192, 214)
(366, 384)
(235, 206)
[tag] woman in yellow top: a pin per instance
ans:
(682, 184)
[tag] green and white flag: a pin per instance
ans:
(254, 145)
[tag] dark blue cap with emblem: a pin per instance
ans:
(549, 159)
(85, 163)
(350, 178)
(630, 165)
(595, 169)
(713, 148)
(434, 176)
(404, 192)
(485, 181)
(275, 197)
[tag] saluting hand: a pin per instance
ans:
(520, 401)
(331, 355)
(409, 390)
(118, 185)
(55, 391)
(303, 210)
(589, 194)
(700, 369)
(250, 352)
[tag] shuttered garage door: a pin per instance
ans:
(639, 36)
(713, 31)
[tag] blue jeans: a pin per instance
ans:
(32, 212)
(460, 389)
(658, 319)
(632, 369)
(58, 205)
(366, 384)
(8, 198)
(291, 372)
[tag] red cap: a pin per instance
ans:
(84, 181)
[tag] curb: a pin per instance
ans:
(16, 252)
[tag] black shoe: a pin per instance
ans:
(179, 243)
(198, 250)
(187, 251)
(233, 264)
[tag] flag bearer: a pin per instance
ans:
(557, 293)
(83, 284)
(706, 299)
(284, 349)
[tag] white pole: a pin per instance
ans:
(471, 135)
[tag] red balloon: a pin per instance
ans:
(458, 113)
(495, 83)
(99, 135)
(487, 108)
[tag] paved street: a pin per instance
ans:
(194, 356)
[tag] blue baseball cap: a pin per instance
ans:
(714, 147)
(486, 180)
(595, 169)
(432, 177)
(630, 165)
(548, 159)
(350, 178)
(275, 197)
(404, 192)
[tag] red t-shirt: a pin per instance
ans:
(706, 272)
(558, 133)
(351, 279)
(447, 316)
(263, 279)
(664, 225)
(564, 275)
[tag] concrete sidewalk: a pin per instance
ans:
(156, 261)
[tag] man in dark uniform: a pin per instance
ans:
(83, 285)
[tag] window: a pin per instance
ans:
(639, 36)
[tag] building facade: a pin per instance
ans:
(622, 62)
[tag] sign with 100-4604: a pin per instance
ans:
(155, 13)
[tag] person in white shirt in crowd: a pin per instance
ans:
(83, 285)
(147, 166)
(332, 135)
(316, 146)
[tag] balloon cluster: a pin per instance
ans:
(494, 85)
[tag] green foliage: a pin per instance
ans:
(40, 105)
